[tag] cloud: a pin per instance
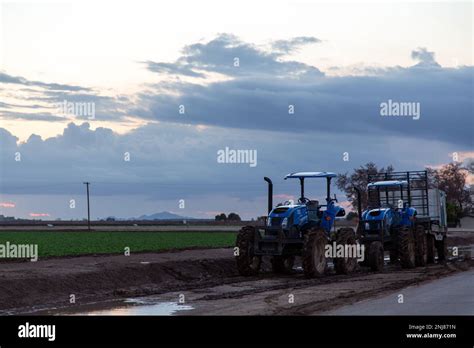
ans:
(38, 116)
(425, 57)
(336, 105)
(227, 54)
(172, 69)
(5, 78)
(45, 98)
(170, 161)
(288, 46)
(176, 157)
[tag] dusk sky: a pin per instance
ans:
(168, 84)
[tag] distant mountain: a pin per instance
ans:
(164, 215)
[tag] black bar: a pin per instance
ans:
(221, 330)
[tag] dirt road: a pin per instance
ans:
(206, 280)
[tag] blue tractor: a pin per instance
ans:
(390, 220)
(302, 228)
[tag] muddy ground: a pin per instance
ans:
(208, 279)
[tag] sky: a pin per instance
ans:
(139, 98)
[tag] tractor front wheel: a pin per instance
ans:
(345, 265)
(313, 256)
(406, 247)
(247, 262)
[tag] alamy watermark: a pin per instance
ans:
(237, 156)
(350, 251)
(405, 109)
(19, 251)
(84, 109)
(28, 330)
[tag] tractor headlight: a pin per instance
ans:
(269, 221)
(284, 223)
(367, 226)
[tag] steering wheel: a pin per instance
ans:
(303, 200)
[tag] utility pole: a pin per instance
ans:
(88, 207)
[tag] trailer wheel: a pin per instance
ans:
(406, 247)
(283, 264)
(376, 256)
(247, 262)
(420, 243)
(430, 248)
(345, 265)
(442, 249)
(313, 256)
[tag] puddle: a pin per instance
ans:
(133, 306)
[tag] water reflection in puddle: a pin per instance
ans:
(141, 307)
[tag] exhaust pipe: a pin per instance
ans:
(359, 204)
(270, 194)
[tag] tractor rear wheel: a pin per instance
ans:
(430, 248)
(420, 243)
(313, 256)
(406, 247)
(442, 249)
(283, 264)
(394, 248)
(393, 255)
(247, 262)
(376, 256)
(345, 265)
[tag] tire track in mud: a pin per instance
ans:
(316, 295)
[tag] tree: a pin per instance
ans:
(359, 179)
(233, 217)
(221, 217)
(452, 179)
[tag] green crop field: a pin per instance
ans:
(52, 243)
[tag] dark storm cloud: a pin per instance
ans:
(262, 88)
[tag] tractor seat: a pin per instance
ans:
(313, 210)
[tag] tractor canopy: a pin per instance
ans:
(388, 183)
(303, 175)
